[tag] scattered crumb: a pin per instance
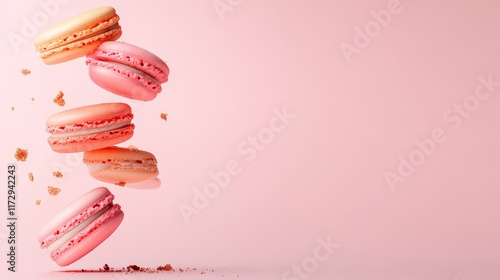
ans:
(57, 174)
(25, 71)
(12, 108)
(30, 176)
(181, 270)
(106, 267)
(21, 154)
(167, 267)
(53, 191)
(59, 99)
(32, 99)
(163, 116)
(121, 184)
(133, 148)
(38, 201)
(133, 267)
(203, 272)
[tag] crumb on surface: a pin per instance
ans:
(53, 191)
(133, 267)
(166, 267)
(25, 71)
(57, 174)
(38, 201)
(12, 108)
(133, 148)
(121, 184)
(30, 176)
(59, 99)
(163, 116)
(32, 99)
(105, 267)
(21, 154)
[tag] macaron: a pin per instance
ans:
(78, 36)
(90, 127)
(81, 226)
(121, 165)
(127, 70)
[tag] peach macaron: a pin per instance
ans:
(78, 36)
(121, 165)
(90, 127)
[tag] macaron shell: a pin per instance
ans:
(132, 56)
(90, 113)
(125, 175)
(123, 82)
(95, 237)
(94, 141)
(74, 25)
(79, 48)
(117, 154)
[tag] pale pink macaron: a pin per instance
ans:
(121, 165)
(81, 226)
(90, 127)
(127, 70)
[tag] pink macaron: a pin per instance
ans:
(81, 226)
(127, 70)
(90, 127)
(121, 166)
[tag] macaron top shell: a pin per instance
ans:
(117, 154)
(81, 208)
(77, 27)
(90, 113)
(132, 56)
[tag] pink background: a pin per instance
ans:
(323, 175)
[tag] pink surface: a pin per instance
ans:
(328, 132)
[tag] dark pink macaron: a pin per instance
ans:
(127, 70)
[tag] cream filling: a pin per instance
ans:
(114, 26)
(70, 234)
(91, 131)
(101, 166)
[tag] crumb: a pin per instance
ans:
(181, 270)
(53, 191)
(133, 148)
(38, 201)
(25, 71)
(57, 174)
(121, 184)
(32, 99)
(12, 108)
(106, 267)
(203, 272)
(21, 155)
(163, 116)
(30, 176)
(167, 267)
(59, 99)
(133, 267)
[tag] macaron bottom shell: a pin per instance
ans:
(82, 144)
(123, 81)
